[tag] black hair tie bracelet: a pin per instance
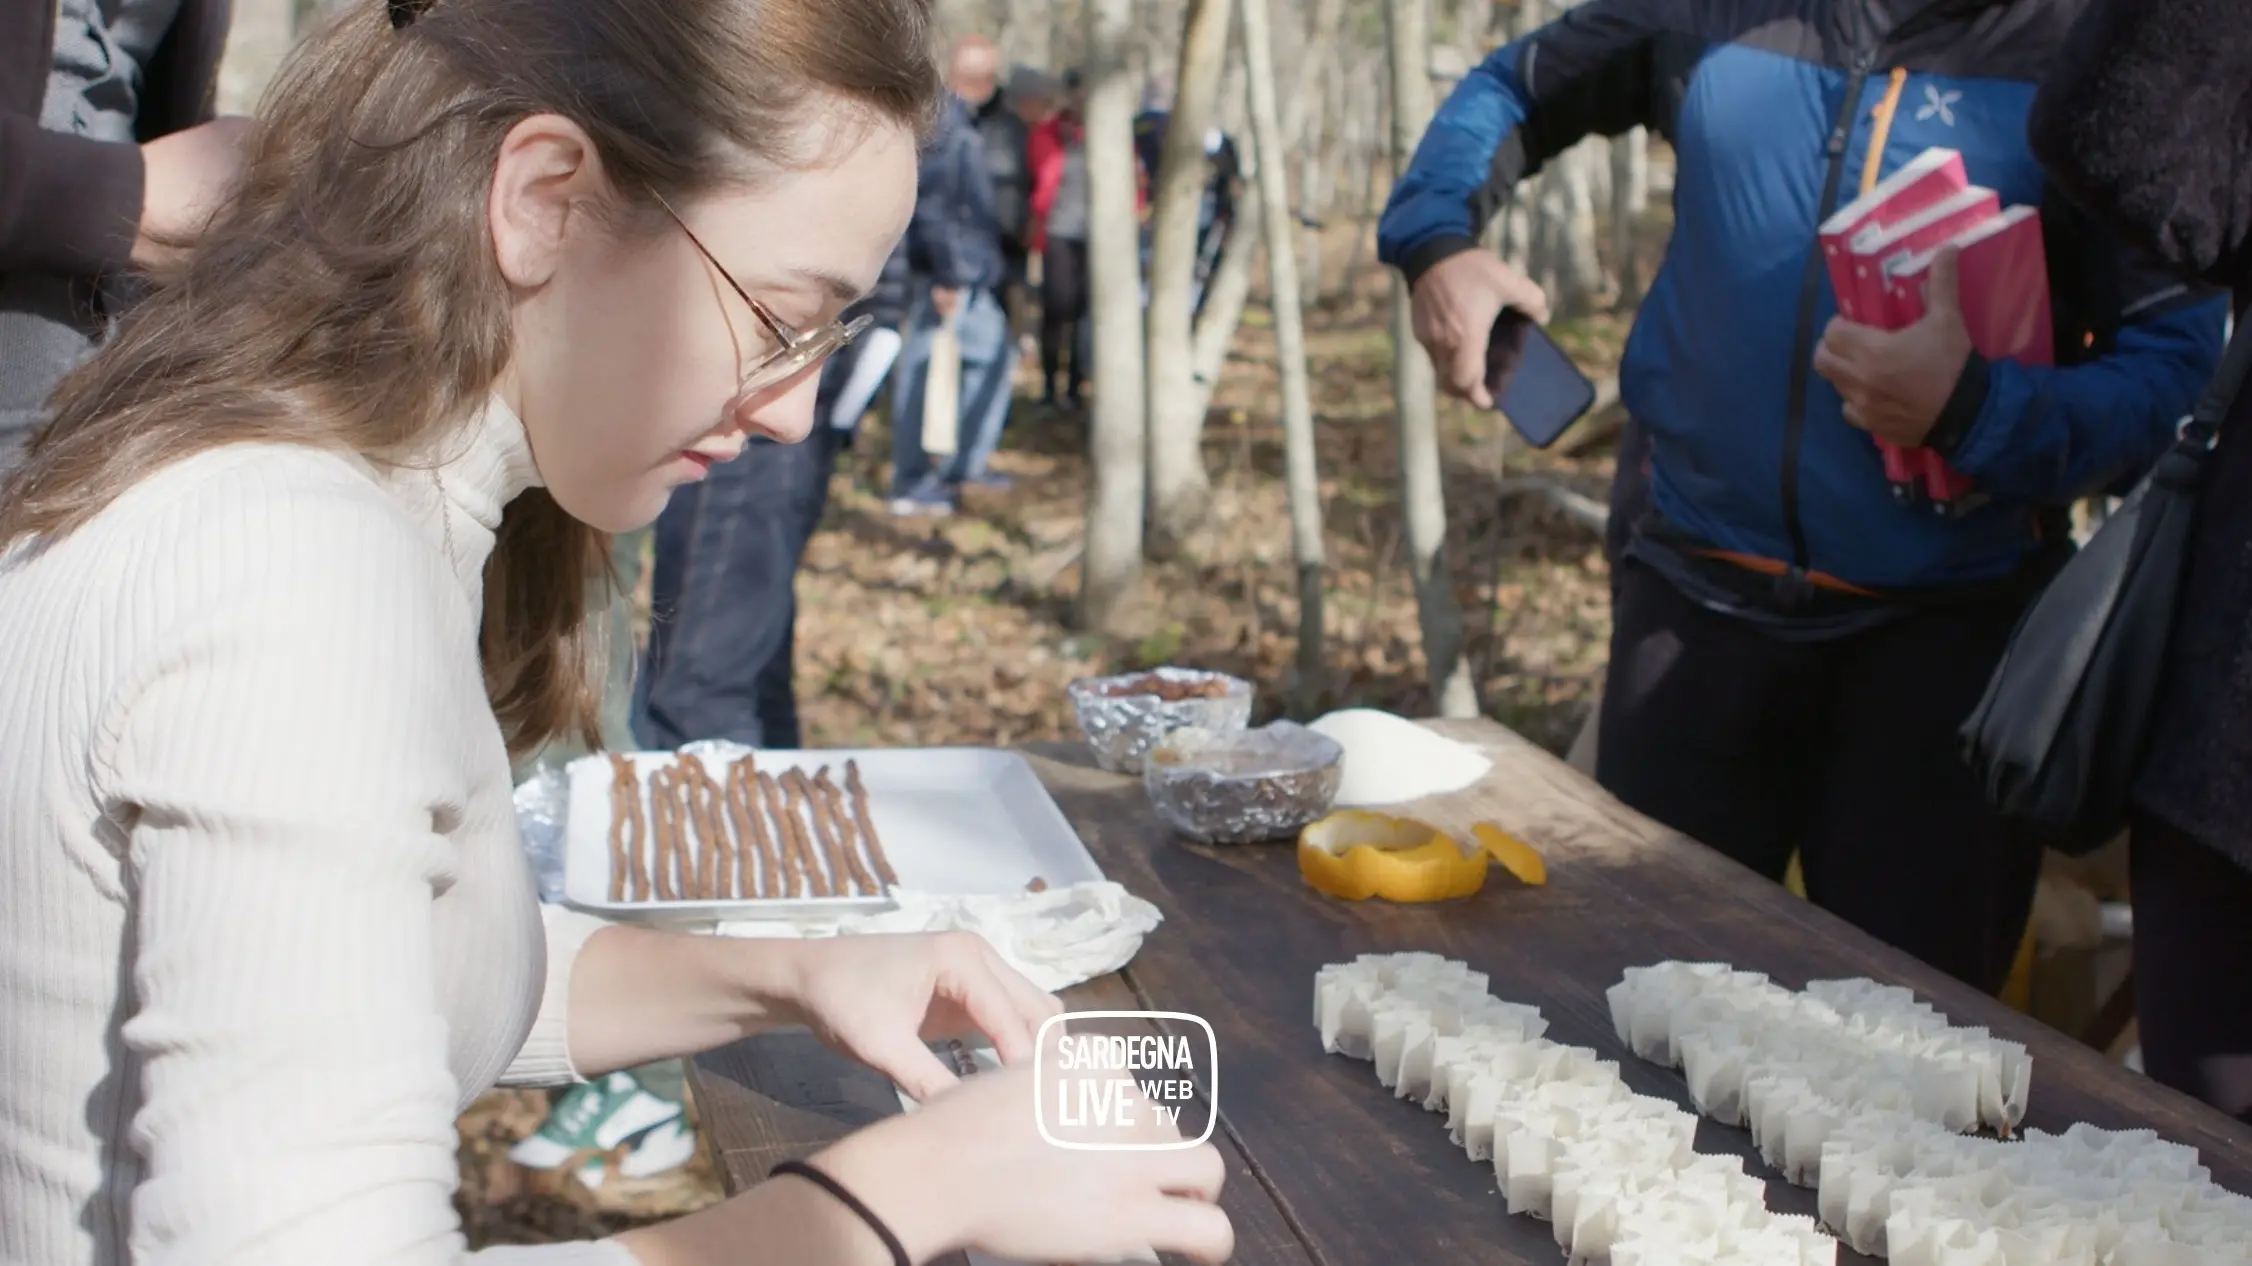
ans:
(850, 1201)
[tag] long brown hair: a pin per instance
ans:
(348, 297)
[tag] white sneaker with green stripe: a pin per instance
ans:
(591, 1119)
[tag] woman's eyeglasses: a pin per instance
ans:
(796, 354)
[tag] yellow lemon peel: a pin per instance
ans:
(1355, 855)
(1515, 855)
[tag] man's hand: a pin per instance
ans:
(1896, 382)
(186, 176)
(945, 299)
(1455, 306)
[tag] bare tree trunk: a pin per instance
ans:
(1630, 200)
(1312, 162)
(1180, 487)
(1415, 384)
(1568, 205)
(1230, 286)
(259, 40)
(1301, 476)
(1117, 451)
(1304, 126)
(1223, 304)
(1234, 114)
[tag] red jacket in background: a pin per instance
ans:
(1044, 152)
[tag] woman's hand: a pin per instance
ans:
(967, 1170)
(637, 994)
(971, 1170)
(879, 998)
(185, 178)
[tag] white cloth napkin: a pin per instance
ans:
(1058, 938)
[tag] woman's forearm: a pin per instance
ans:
(639, 995)
(785, 1221)
(888, 1166)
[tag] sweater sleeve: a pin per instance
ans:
(281, 775)
(68, 204)
(545, 1059)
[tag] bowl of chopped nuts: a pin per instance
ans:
(1123, 716)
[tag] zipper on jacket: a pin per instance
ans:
(1810, 292)
(1810, 288)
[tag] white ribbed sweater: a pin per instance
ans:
(267, 925)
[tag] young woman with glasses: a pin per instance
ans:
(300, 564)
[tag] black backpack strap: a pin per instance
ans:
(2220, 395)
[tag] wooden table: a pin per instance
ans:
(1325, 1165)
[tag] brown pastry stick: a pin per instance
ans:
(725, 853)
(684, 840)
(681, 836)
(642, 889)
(622, 787)
(816, 866)
(664, 790)
(793, 867)
(828, 803)
(657, 881)
(845, 875)
(770, 872)
(740, 814)
(710, 831)
(867, 825)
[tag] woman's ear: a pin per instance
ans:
(544, 178)
(2146, 122)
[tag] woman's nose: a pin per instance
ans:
(784, 418)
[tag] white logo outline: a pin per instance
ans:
(1939, 104)
(1211, 1089)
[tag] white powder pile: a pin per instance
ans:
(1389, 758)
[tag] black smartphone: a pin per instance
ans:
(1534, 384)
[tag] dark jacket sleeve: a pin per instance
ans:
(2146, 122)
(953, 206)
(68, 204)
(1591, 71)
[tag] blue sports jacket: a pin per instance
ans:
(955, 237)
(1770, 108)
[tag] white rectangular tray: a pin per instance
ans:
(952, 820)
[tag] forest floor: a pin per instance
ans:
(960, 631)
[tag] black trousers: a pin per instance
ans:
(1063, 312)
(1842, 750)
(2193, 965)
(723, 626)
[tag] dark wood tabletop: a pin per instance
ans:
(1325, 1165)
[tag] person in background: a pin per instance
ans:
(1216, 209)
(1059, 224)
(849, 385)
(721, 659)
(958, 248)
(1793, 649)
(2147, 121)
(1033, 96)
(108, 155)
(1005, 131)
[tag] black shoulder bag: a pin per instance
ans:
(2060, 735)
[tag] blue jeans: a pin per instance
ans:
(989, 359)
(723, 601)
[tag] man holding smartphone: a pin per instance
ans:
(1792, 649)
